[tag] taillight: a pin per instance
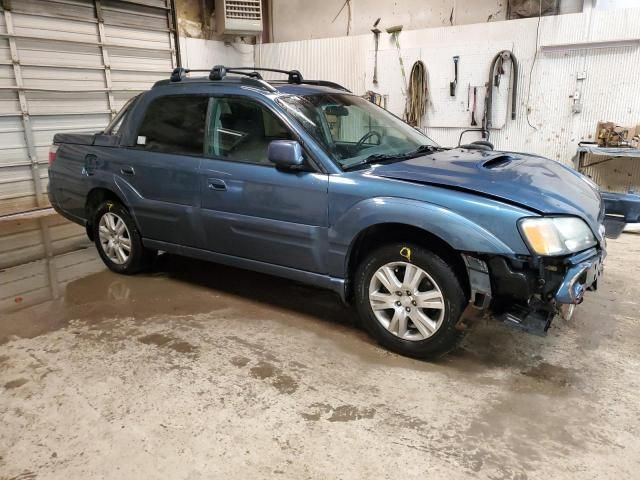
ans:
(53, 151)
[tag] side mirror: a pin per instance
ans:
(286, 154)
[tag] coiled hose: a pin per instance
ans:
(417, 95)
(494, 80)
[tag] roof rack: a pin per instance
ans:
(252, 76)
(324, 83)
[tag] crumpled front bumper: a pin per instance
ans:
(530, 298)
(583, 273)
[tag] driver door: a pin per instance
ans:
(249, 208)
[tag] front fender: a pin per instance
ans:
(458, 231)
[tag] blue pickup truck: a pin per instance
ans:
(302, 179)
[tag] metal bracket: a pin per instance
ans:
(479, 281)
(106, 62)
(480, 290)
(98, 8)
(24, 109)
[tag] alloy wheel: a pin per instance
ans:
(115, 239)
(406, 301)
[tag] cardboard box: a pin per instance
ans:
(608, 134)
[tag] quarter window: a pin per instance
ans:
(241, 130)
(114, 126)
(174, 124)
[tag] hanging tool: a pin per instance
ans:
(452, 85)
(395, 32)
(473, 111)
(347, 3)
(468, 95)
(417, 95)
(376, 37)
(494, 81)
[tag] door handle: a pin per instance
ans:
(216, 184)
(127, 170)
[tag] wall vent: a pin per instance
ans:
(239, 17)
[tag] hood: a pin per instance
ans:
(536, 183)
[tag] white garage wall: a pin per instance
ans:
(303, 20)
(610, 91)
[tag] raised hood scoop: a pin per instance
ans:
(540, 184)
(499, 161)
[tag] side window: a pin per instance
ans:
(174, 124)
(241, 130)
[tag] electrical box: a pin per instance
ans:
(238, 17)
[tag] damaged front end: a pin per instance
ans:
(528, 293)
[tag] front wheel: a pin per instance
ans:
(410, 300)
(118, 241)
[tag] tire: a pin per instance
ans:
(439, 288)
(135, 256)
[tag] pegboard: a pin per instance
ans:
(444, 110)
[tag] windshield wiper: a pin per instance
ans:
(381, 157)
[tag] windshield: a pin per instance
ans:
(352, 129)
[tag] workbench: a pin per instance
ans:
(610, 152)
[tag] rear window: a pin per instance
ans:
(174, 124)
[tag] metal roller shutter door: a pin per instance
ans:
(69, 65)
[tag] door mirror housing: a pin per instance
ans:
(286, 154)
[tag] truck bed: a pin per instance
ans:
(74, 138)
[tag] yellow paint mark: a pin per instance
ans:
(109, 205)
(406, 253)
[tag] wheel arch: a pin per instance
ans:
(379, 234)
(367, 224)
(95, 198)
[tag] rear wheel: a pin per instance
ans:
(118, 241)
(410, 300)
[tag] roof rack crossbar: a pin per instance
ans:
(180, 72)
(251, 76)
(293, 76)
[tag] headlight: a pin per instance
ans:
(556, 235)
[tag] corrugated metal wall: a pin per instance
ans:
(204, 54)
(609, 92)
(341, 59)
(69, 65)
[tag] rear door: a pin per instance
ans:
(159, 174)
(249, 208)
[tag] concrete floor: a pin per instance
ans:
(198, 371)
